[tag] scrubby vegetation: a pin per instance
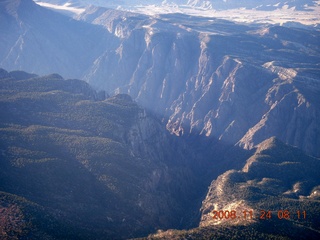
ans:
(80, 161)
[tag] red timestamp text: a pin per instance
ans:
(264, 215)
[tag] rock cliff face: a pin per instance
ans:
(237, 83)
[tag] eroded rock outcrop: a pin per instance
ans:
(277, 177)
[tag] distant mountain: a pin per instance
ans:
(77, 165)
(211, 4)
(298, 14)
(254, 4)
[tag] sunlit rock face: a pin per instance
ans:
(236, 83)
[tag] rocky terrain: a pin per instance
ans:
(174, 102)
